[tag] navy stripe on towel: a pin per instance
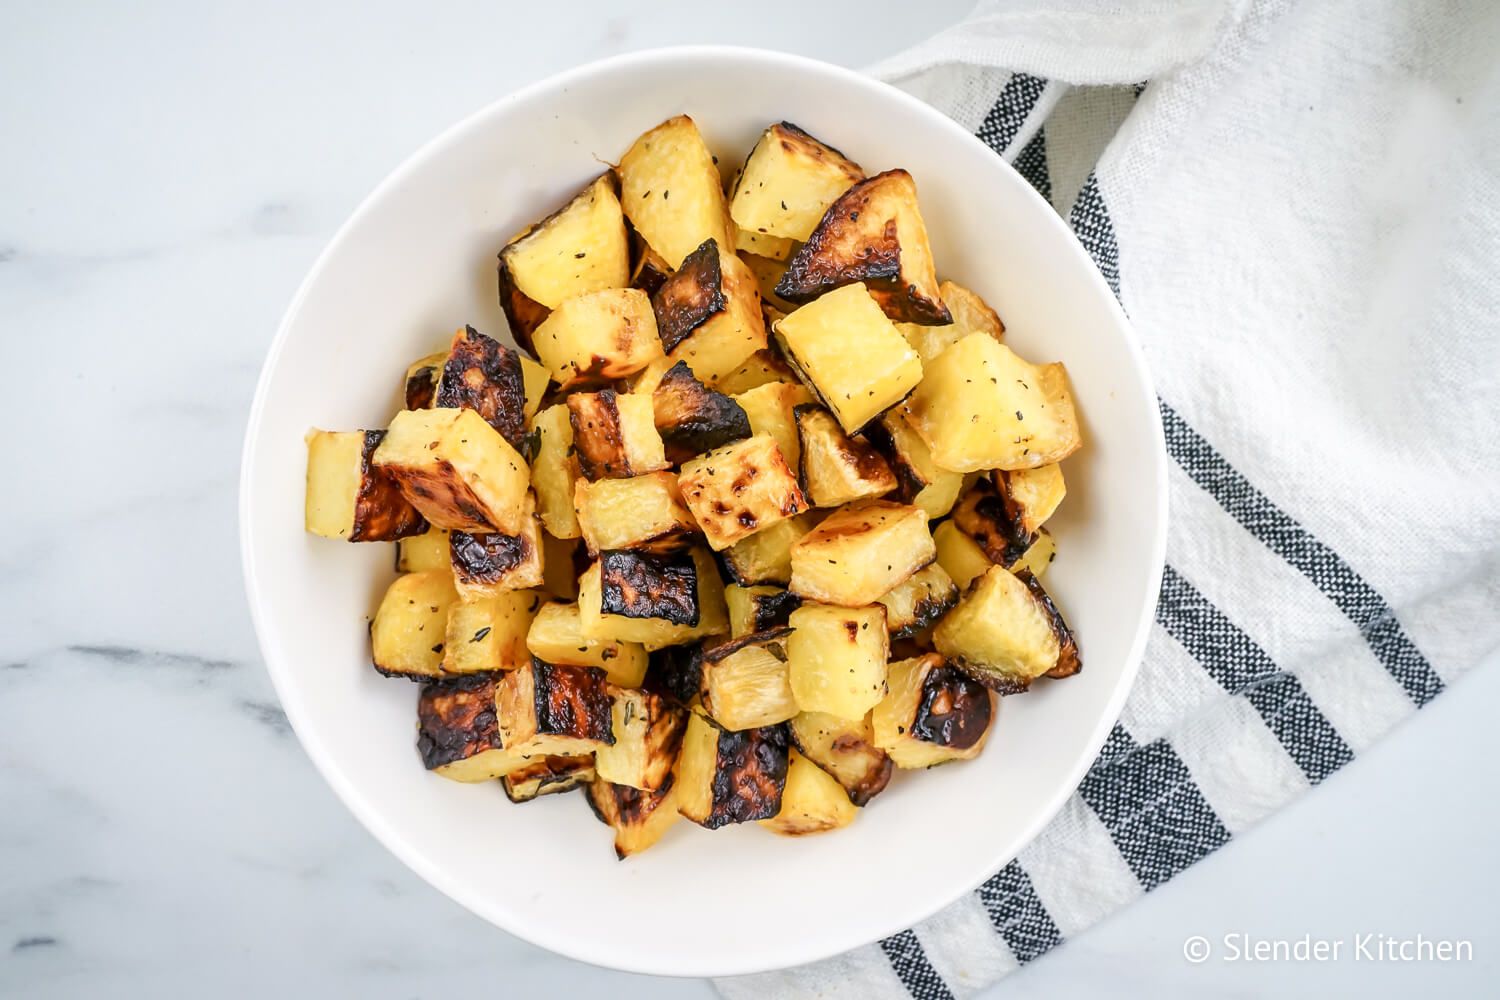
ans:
(1281, 533)
(910, 963)
(1157, 817)
(1241, 666)
(1010, 111)
(1018, 914)
(1031, 163)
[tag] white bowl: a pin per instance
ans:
(417, 260)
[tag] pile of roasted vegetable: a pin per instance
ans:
(753, 516)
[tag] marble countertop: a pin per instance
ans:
(170, 172)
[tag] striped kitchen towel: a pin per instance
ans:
(1299, 209)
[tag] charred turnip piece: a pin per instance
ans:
(1068, 660)
(872, 235)
(551, 709)
(643, 512)
(918, 602)
(971, 314)
(350, 498)
(1033, 494)
(981, 407)
(739, 489)
(485, 376)
(421, 381)
(857, 384)
(766, 556)
(959, 555)
(597, 337)
(648, 732)
(486, 564)
(676, 672)
(860, 552)
(555, 470)
(1006, 632)
(811, 801)
(921, 481)
(580, 248)
(650, 269)
(836, 468)
(409, 628)
(934, 713)
(649, 585)
(654, 633)
(993, 522)
(691, 297)
(745, 683)
(837, 659)
(789, 182)
(556, 636)
(560, 564)
(638, 818)
(772, 409)
(1038, 557)
(428, 550)
(760, 368)
(1004, 514)
(846, 749)
(537, 381)
(458, 734)
(671, 190)
(693, 418)
(708, 312)
(457, 470)
(488, 634)
(547, 776)
(756, 609)
(725, 777)
(523, 313)
(614, 435)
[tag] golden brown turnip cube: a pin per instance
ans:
(873, 234)
(860, 552)
(789, 182)
(409, 629)
(1006, 632)
(595, 338)
(648, 732)
(348, 497)
(643, 512)
(981, 407)
(739, 489)
(934, 713)
(556, 636)
(846, 749)
(811, 801)
(456, 469)
(858, 382)
(837, 658)
(836, 468)
(671, 190)
(745, 682)
(708, 313)
(614, 434)
(724, 777)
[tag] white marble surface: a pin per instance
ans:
(169, 173)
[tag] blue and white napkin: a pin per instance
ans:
(1299, 207)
